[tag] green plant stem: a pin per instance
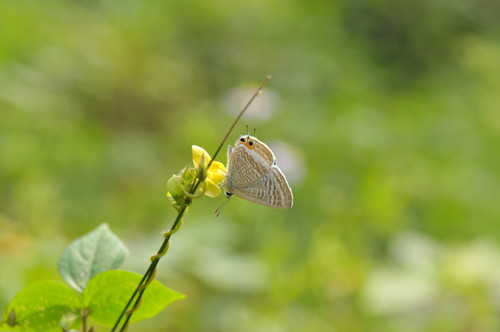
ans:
(256, 93)
(152, 268)
(85, 314)
(148, 276)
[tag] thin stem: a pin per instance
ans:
(256, 93)
(149, 275)
(85, 313)
(147, 278)
(149, 271)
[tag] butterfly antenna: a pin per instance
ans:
(254, 132)
(219, 209)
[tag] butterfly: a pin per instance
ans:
(252, 174)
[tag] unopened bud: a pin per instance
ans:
(174, 186)
(188, 175)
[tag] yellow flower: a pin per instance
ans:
(215, 174)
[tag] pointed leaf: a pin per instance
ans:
(96, 252)
(107, 293)
(42, 306)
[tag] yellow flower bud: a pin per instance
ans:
(213, 176)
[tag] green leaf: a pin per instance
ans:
(107, 293)
(42, 306)
(98, 251)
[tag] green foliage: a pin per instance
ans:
(106, 295)
(96, 252)
(42, 306)
(51, 306)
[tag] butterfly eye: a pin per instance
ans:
(250, 144)
(242, 140)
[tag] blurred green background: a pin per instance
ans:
(383, 114)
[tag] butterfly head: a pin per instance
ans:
(248, 141)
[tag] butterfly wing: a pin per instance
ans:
(245, 167)
(271, 190)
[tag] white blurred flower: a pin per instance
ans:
(474, 263)
(289, 160)
(425, 274)
(416, 251)
(262, 108)
(393, 291)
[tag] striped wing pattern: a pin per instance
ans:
(270, 190)
(253, 175)
(245, 168)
